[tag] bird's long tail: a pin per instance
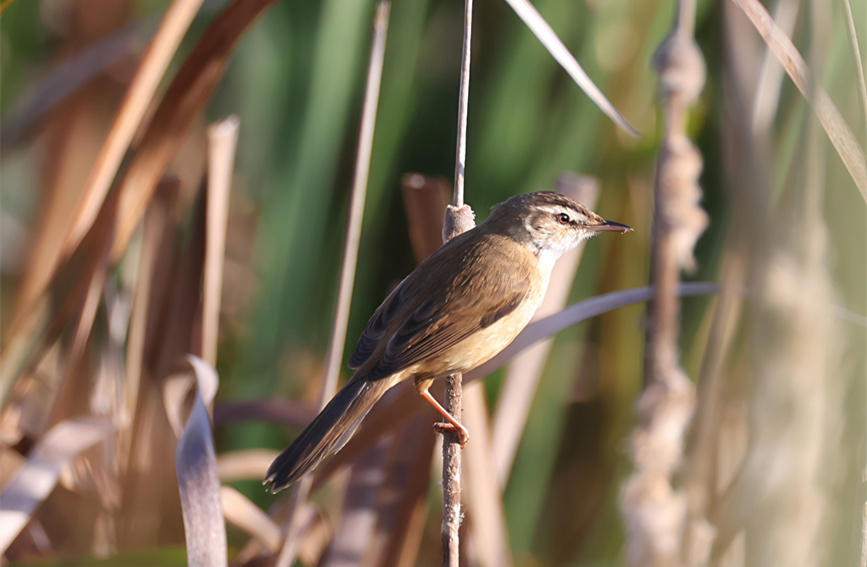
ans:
(327, 433)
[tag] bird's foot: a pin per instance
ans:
(443, 427)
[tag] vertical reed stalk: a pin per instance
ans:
(458, 219)
(653, 509)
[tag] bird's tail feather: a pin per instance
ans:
(327, 433)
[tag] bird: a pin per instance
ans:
(459, 308)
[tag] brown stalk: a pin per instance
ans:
(652, 508)
(458, 219)
(157, 233)
(184, 99)
(337, 338)
(150, 502)
(222, 141)
(72, 297)
(489, 538)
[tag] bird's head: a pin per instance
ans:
(548, 222)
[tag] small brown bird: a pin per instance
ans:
(455, 311)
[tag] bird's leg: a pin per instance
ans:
(452, 425)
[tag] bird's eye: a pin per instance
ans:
(563, 218)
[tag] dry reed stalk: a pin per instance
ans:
(337, 338)
(179, 107)
(37, 478)
(458, 218)
(653, 509)
(156, 59)
(222, 141)
(829, 116)
(770, 80)
(489, 539)
(795, 409)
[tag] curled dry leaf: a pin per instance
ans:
(240, 512)
(34, 481)
(198, 483)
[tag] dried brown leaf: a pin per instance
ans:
(183, 101)
(242, 513)
(198, 483)
(34, 481)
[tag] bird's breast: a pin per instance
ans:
(486, 342)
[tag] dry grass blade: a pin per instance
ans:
(184, 99)
(542, 30)
(244, 465)
(286, 412)
(356, 206)
(222, 141)
(198, 481)
(771, 77)
(487, 529)
(154, 63)
(856, 53)
(240, 512)
(525, 371)
(829, 116)
(34, 481)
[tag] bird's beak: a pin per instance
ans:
(611, 226)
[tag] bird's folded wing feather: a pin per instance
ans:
(447, 299)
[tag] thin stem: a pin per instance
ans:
(454, 392)
(463, 103)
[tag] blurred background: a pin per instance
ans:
(779, 361)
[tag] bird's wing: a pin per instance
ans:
(448, 298)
